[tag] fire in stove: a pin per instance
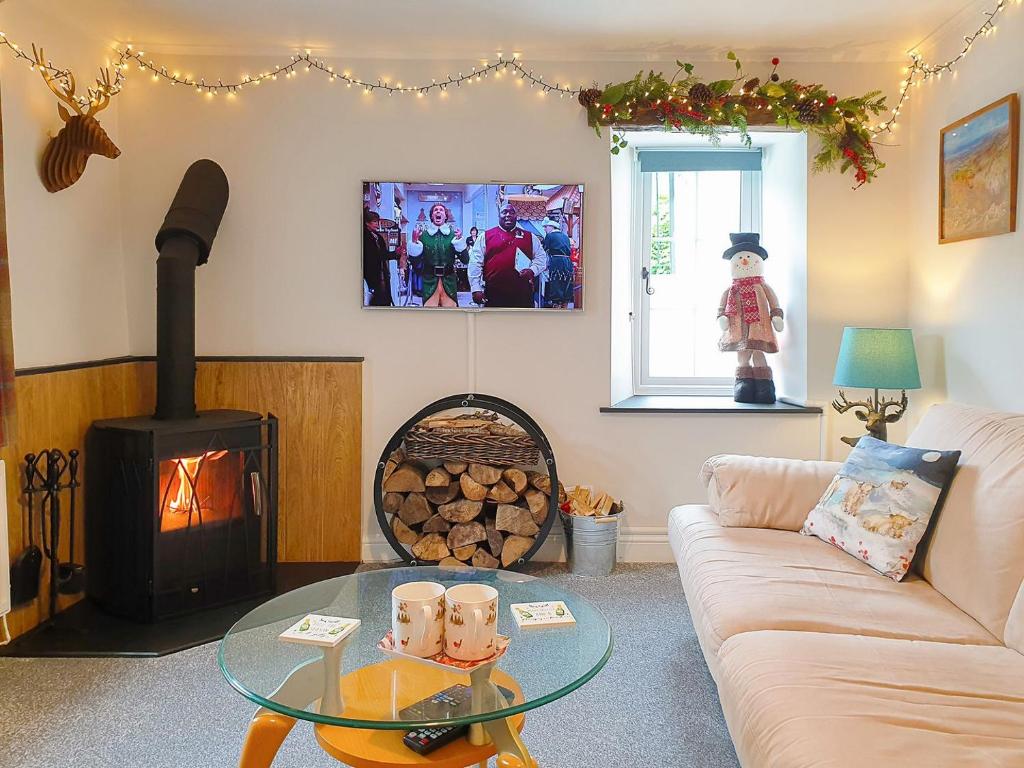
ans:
(187, 477)
(199, 490)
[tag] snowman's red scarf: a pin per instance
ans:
(743, 296)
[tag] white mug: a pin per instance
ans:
(417, 617)
(471, 621)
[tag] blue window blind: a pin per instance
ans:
(655, 160)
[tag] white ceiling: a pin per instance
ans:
(822, 30)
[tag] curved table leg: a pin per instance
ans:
(512, 753)
(315, 679)
(267, 733)
(506, 760)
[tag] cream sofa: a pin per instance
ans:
(821, 661)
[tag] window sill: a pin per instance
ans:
(705, 405)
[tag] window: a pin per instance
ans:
(688, 203)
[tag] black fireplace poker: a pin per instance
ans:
(184, 242)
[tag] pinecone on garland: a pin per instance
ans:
(589, 97)
(700, 94)
(751, 85)
(807, 112)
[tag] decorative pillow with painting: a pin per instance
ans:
(878, 507)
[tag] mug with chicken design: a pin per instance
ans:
(471, 621)
(417, 618)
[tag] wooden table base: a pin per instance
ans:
(374, 748)
(362, 748)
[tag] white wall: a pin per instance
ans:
(67, 276)
(964, 301)
(284, 277)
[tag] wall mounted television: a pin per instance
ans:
(472, 246)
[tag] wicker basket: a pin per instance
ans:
(500, 450)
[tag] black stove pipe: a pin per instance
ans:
(184, 243)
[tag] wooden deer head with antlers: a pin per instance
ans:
(65, 156)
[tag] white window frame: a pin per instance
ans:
(750, 221)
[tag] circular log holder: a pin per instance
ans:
(482, 402)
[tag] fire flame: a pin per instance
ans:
(187, 469)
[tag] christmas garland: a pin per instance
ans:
(686, 103)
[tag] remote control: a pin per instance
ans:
(446, 704)
(443, 705)
(426, 740)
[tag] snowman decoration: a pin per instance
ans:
(749, 316)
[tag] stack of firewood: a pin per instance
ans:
(463, 512)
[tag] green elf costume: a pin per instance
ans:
(439, 247)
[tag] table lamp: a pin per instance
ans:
(876, 358)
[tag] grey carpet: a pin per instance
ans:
(654, 704)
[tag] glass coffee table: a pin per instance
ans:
(355, 694)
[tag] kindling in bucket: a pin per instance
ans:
(591, 524)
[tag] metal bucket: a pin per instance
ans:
(590, 543)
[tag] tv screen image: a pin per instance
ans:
(472, 246)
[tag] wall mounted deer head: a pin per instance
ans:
(65, 156)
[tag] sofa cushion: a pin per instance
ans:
(880, 503)
(802, 699)
(758, 492)
(974, 555)
(744, 579)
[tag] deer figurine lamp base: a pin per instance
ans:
(876, 358)
(874, 413)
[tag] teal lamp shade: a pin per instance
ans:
(877, 358)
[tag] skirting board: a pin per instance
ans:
(637, 544)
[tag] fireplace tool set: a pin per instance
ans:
(48, 474)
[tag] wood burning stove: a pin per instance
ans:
(181, 506)
(180, 515)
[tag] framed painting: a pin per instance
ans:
(978, 158)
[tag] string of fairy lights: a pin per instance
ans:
(307, 62)
(916, 73)
(920, 71)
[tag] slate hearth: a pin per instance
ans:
(85, 630)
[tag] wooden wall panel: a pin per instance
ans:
(319, 405)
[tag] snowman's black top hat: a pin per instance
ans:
(745, 241)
